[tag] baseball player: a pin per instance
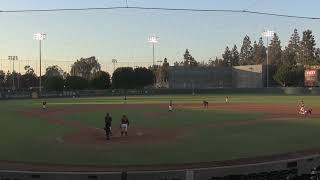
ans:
(304, 110)
(44, 105)
(107, 126)
(124, 125)
(227, 99)
(205, 104)
(170, 108)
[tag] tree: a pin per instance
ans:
(274, 51)
(76, 83)
(54, 83)
(246, 54)
(291, 53)
(259, 52)
(307, 49)
(100, 80)
(123, 78)
(29, 79)
(2, 79)
(54, 70)
(85, 67)
(188, 59)
(234, 56)
(219, 62)
(289, 75)
(227, 57)
(143, 77)
(318, 56)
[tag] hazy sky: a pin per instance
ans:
(123, 34)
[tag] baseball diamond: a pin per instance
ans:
(249, 128)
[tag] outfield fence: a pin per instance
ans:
(7, 94)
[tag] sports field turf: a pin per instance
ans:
(187, 135)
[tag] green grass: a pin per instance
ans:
(32, 139)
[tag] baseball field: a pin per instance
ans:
(69, 133)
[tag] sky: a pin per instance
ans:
(123, 34)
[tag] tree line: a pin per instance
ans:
(85, 73)
(286, 65)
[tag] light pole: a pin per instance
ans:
(13, 58)
(40, 37)
(114, 62)
(153, 39)
(268, 34)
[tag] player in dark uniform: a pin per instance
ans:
(124, 125)
(107, 128)
(205, 104)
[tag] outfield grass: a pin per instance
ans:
(34, 139)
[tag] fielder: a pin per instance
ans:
(124, 125)
(44, 105)
(170, 108)
(205, 104)
(107, 125)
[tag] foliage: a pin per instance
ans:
(129, 78)
(307, 54)
(235, 56)
(188, 59)
(290, 55)
(259, 52)
(85, 67)
(227, 57)
(246, 54)
(100, 80)
(143, 77)
(274, 51)
(123, 78)
(2, 79)
(76, 83)
(29, 79)
(54, 70)
(54, 83)
(289, 75)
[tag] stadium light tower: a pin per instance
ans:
(268, 34)
(40, 37)
(153, 39)
(13, 58)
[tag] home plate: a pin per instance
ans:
(139, 133)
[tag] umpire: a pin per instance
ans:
(107, 128)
